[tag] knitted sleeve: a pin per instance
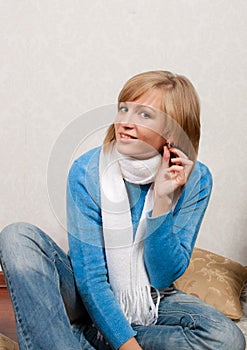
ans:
(171, 237)
(87, 253)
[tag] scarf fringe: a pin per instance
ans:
(138, 305)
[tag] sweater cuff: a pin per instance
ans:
(154, 223)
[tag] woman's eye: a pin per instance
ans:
(123, 109)
(145, 115)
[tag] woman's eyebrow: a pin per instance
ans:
(139, 105)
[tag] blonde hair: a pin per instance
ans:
(180, 103)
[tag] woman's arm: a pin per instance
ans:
(171, 236)
(87, 253)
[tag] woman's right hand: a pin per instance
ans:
(170, 178)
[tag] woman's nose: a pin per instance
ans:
(128, 119)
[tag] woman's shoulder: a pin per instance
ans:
(201, 173)
(86, 165)
(83, 176)
(87, 159)
(203, 170)
(87, 156)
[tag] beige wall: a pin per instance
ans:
(60, 59)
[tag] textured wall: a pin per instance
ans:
(60, 59)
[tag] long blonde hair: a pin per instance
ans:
(180, 103)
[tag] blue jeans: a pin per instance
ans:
(50, 314)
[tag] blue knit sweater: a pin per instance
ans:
(167, 249)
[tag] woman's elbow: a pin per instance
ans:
(166, 276)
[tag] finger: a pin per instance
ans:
(178, 152)
(178, 173)
(166, 156)
(181, 161)
(175, 168)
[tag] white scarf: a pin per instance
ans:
(124, 254)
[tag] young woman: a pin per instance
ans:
(134, 207)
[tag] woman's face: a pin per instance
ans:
(139, 126)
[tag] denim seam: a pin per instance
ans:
(185, 336)
(65, 265)
(188, 314)
(13, 298)
(181, 327)
(54, 255)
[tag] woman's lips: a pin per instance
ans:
(126, 136)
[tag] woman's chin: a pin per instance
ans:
(134, 151)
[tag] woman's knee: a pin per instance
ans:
(227, 335)
(14, 234)
(20, 242)
(200, 319)
(232, 337)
